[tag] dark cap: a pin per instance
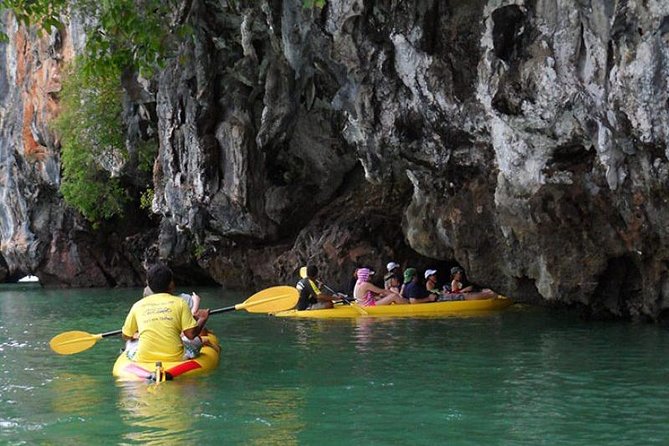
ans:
(456, 269)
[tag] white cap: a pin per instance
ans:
(392, 265)
(429, 272)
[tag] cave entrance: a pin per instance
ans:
(618, 286)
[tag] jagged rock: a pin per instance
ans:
(526, 141)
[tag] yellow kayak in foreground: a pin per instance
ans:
(450, 308)
(127, 370)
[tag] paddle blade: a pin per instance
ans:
(72, 342)
(271, 300)
(303, 272)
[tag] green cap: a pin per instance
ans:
(409, 274)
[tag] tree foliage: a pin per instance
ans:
(313, 3)
(136, 34)
(92, 141)
(121, 35)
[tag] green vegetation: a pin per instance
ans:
(122, 35)
(90, 128)
(313, 3)
(125, 35)
(27, 12)
(199, 250)
(146, 199)
(128, 34)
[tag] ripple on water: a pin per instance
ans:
(520, 378)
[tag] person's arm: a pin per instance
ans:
(316, 293)
(455, 286)
(419, 295)
(202, 316)
(374, 289)
(323, 297)
(129, 329)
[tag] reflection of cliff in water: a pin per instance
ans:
(278, 417)
(160, 413)
(76, 394)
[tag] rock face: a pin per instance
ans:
(524, 140)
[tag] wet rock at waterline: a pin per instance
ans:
(525, 141)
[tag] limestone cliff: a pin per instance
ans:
(525, 140)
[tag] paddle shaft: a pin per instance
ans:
(223, 310)
(347, 300)
(219, 310)
(345, 297)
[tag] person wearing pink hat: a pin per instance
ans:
(366, 294)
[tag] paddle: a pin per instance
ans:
(270, 300)
(347, 300)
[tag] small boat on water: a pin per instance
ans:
(207, 360)
(450, 308)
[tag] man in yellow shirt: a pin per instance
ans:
(160, 318)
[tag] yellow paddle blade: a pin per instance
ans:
(303, 272)
(72, 342)
(271, 300)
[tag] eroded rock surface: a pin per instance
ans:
(525, 140)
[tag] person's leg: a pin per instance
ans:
(322, 305)
(206, 341)
(192, 347)
(390, 299)
(131, 349)
(488, 294)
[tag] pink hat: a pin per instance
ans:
(363, 274)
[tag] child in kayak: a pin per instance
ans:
(367, 294)
(468, 291)
(193, 346)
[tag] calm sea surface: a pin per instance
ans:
(521, 377)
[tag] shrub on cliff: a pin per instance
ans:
(92, 140)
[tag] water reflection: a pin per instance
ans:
(277, 416)
(372, 334)
(76, 394)
(159, 413)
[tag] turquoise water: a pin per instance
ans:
(521, 377)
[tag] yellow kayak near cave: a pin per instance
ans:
(449, 308)
(127, 370)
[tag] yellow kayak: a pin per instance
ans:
(127, 370)
(451, 308)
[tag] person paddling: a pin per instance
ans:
(311, 297)
(159, 319)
